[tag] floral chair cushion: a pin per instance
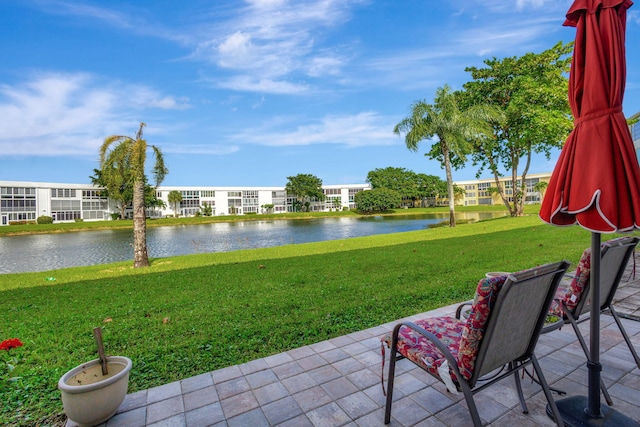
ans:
(571, 294)
(462, 337)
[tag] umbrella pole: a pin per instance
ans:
(593, 364)
(586, 411)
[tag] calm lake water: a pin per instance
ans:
(44, 252)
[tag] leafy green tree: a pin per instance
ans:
(410, 185)
(175, 197)
(541, 187)
(306, 188)
(268, 207)
(377, 200)
(207, 209)
(132, 152)
(454, 128)
(531, 91)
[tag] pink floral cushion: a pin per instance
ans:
(572, 293)
(462, 337)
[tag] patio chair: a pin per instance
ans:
(572, 301)
(500, 333)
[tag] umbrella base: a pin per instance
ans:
(573, 415)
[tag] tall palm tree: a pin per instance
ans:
(118, 149)
(174, 198)
(453, 127)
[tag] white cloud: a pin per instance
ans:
(55, 114)
(358, 130)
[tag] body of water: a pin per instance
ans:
(41, 252)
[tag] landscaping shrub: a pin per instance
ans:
(45, 220)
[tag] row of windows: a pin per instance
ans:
(22, 216)
(66, 215)
(17, 205)
(190, 194)
(332, 191)
(63, 192)
(93, 194)
(95, 205)
(21, 192)
(65, 205)
(190, 204)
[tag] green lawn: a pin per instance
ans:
(192, 314)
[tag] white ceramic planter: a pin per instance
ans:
(90, 398)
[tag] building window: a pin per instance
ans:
(63, 193)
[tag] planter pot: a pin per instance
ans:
(90, 398)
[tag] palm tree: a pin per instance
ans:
(454, 129)
(118, 149)
(174, 198)
(541, 187)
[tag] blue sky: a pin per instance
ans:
(246, 93)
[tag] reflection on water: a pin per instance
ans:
(52, 251)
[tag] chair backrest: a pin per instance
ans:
(615, 255)
(516, 318)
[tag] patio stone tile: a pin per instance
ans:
(312, 398)
(175, 421)
(334, 355)
(270, 393)
(342, 341)
(163, 392)
(238, 404)
(253, 366)
(205, 415)
(301, 352)
(202, 397)
(299, 421)
(324, 374)
(277, 359)
(348, 366)
(299, 382)
(354, 348)
(322, 346)
(282, 410)
(432, 400)
(287, 370)
(232, 387)
(408, 412)
(133, 401)
(357, 405)
(226, 374)
(253, 418)
(164, 409)
(339, 387)
(261, 378)
(329, 415)
(312, 362)
(133, 418)
(194, 383)
(407, 383)
(364, 378)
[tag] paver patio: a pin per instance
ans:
(337, 383)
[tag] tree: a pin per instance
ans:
(377, 200)
(410, 185)
(174, 197)
(531, 91)
(207, 209)
(541, 187)
(453, 127)
(123, 150)
(306, 188)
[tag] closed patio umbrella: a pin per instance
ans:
(596, 182)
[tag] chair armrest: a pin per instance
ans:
(461, 306)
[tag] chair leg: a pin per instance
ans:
(471, 403)
(516, 375)
(547, 391)
(626, 337)
(585, 349)
(392, 373)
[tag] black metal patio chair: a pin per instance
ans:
(500, 333)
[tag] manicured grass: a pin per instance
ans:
(187, 315)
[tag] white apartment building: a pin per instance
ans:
(26, 201)
(479, 192)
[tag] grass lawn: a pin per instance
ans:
(192, 314)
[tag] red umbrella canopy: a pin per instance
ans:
(596, 182)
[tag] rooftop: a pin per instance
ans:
(337, 383)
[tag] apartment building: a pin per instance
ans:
(26, 201)
(480, 192)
